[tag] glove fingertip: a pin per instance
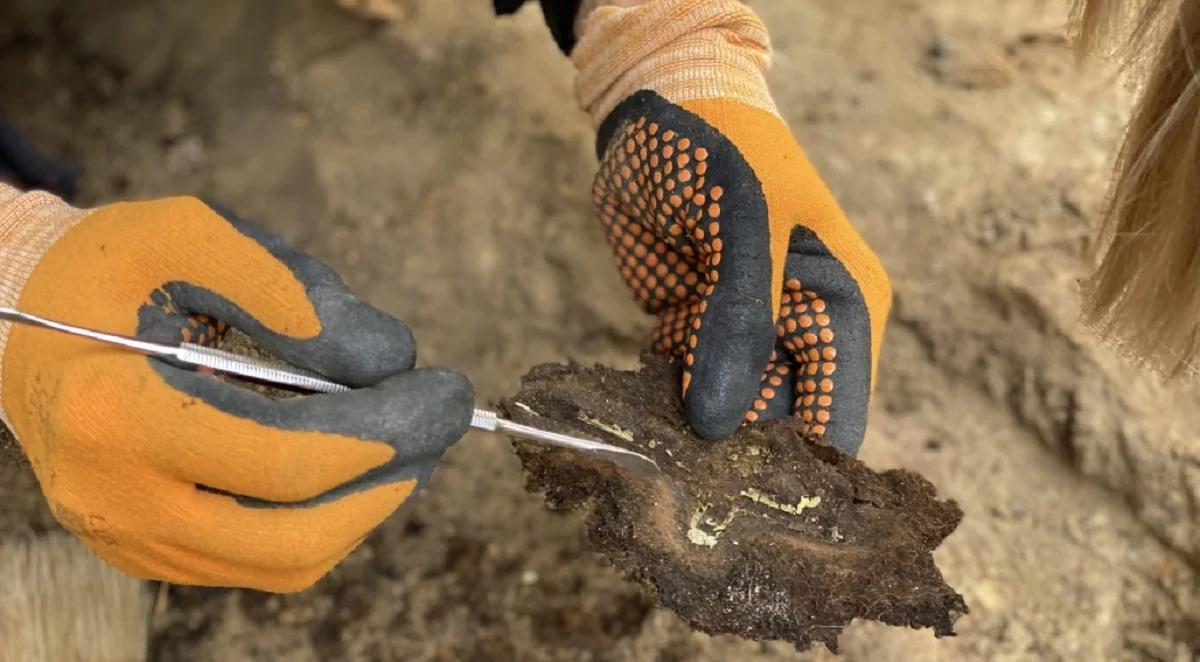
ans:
(730, 351)
(437, 404)
(369, 348)
(457, 395)
(719, 396)
(709, 422)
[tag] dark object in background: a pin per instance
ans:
(560, 16)
(26, 168)
(766, 534)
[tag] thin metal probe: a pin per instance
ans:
(269, 373)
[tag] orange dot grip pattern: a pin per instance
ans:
(663, 223)
(698, 227)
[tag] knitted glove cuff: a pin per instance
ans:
(682, 49)
(30, 223)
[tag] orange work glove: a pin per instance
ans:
(173, 474)
(722, 227)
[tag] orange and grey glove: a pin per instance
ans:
(175, 475)
(722, 227)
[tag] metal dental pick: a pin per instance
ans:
(296, 378)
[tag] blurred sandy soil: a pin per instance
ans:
(440, 165)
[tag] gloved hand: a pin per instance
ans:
(172, 474)
(722, 227)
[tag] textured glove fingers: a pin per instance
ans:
(702, 182)
(275, 506)
(172, 474)
(686, 222)
(279, 550)
(723, 229)
(204, 483)
(821, 369)
(355, 344)
(179, 255)
(306, 451)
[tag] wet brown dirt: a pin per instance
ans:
(765, 534)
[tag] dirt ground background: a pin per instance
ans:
(440, 165)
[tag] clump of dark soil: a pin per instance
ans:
(765, 535)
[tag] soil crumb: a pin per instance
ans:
(10, 451)
(765, 535)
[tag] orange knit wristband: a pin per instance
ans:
(684, 50)
(30, 223)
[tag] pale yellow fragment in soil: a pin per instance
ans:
(699, 536)
(527, 408)
(614, 430)
(803, 504)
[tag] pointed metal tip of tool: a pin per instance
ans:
(634, 462)
(622, 457)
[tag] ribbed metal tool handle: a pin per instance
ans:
(485, 420)
(266, 372)
(288, 376)
(256, 370)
